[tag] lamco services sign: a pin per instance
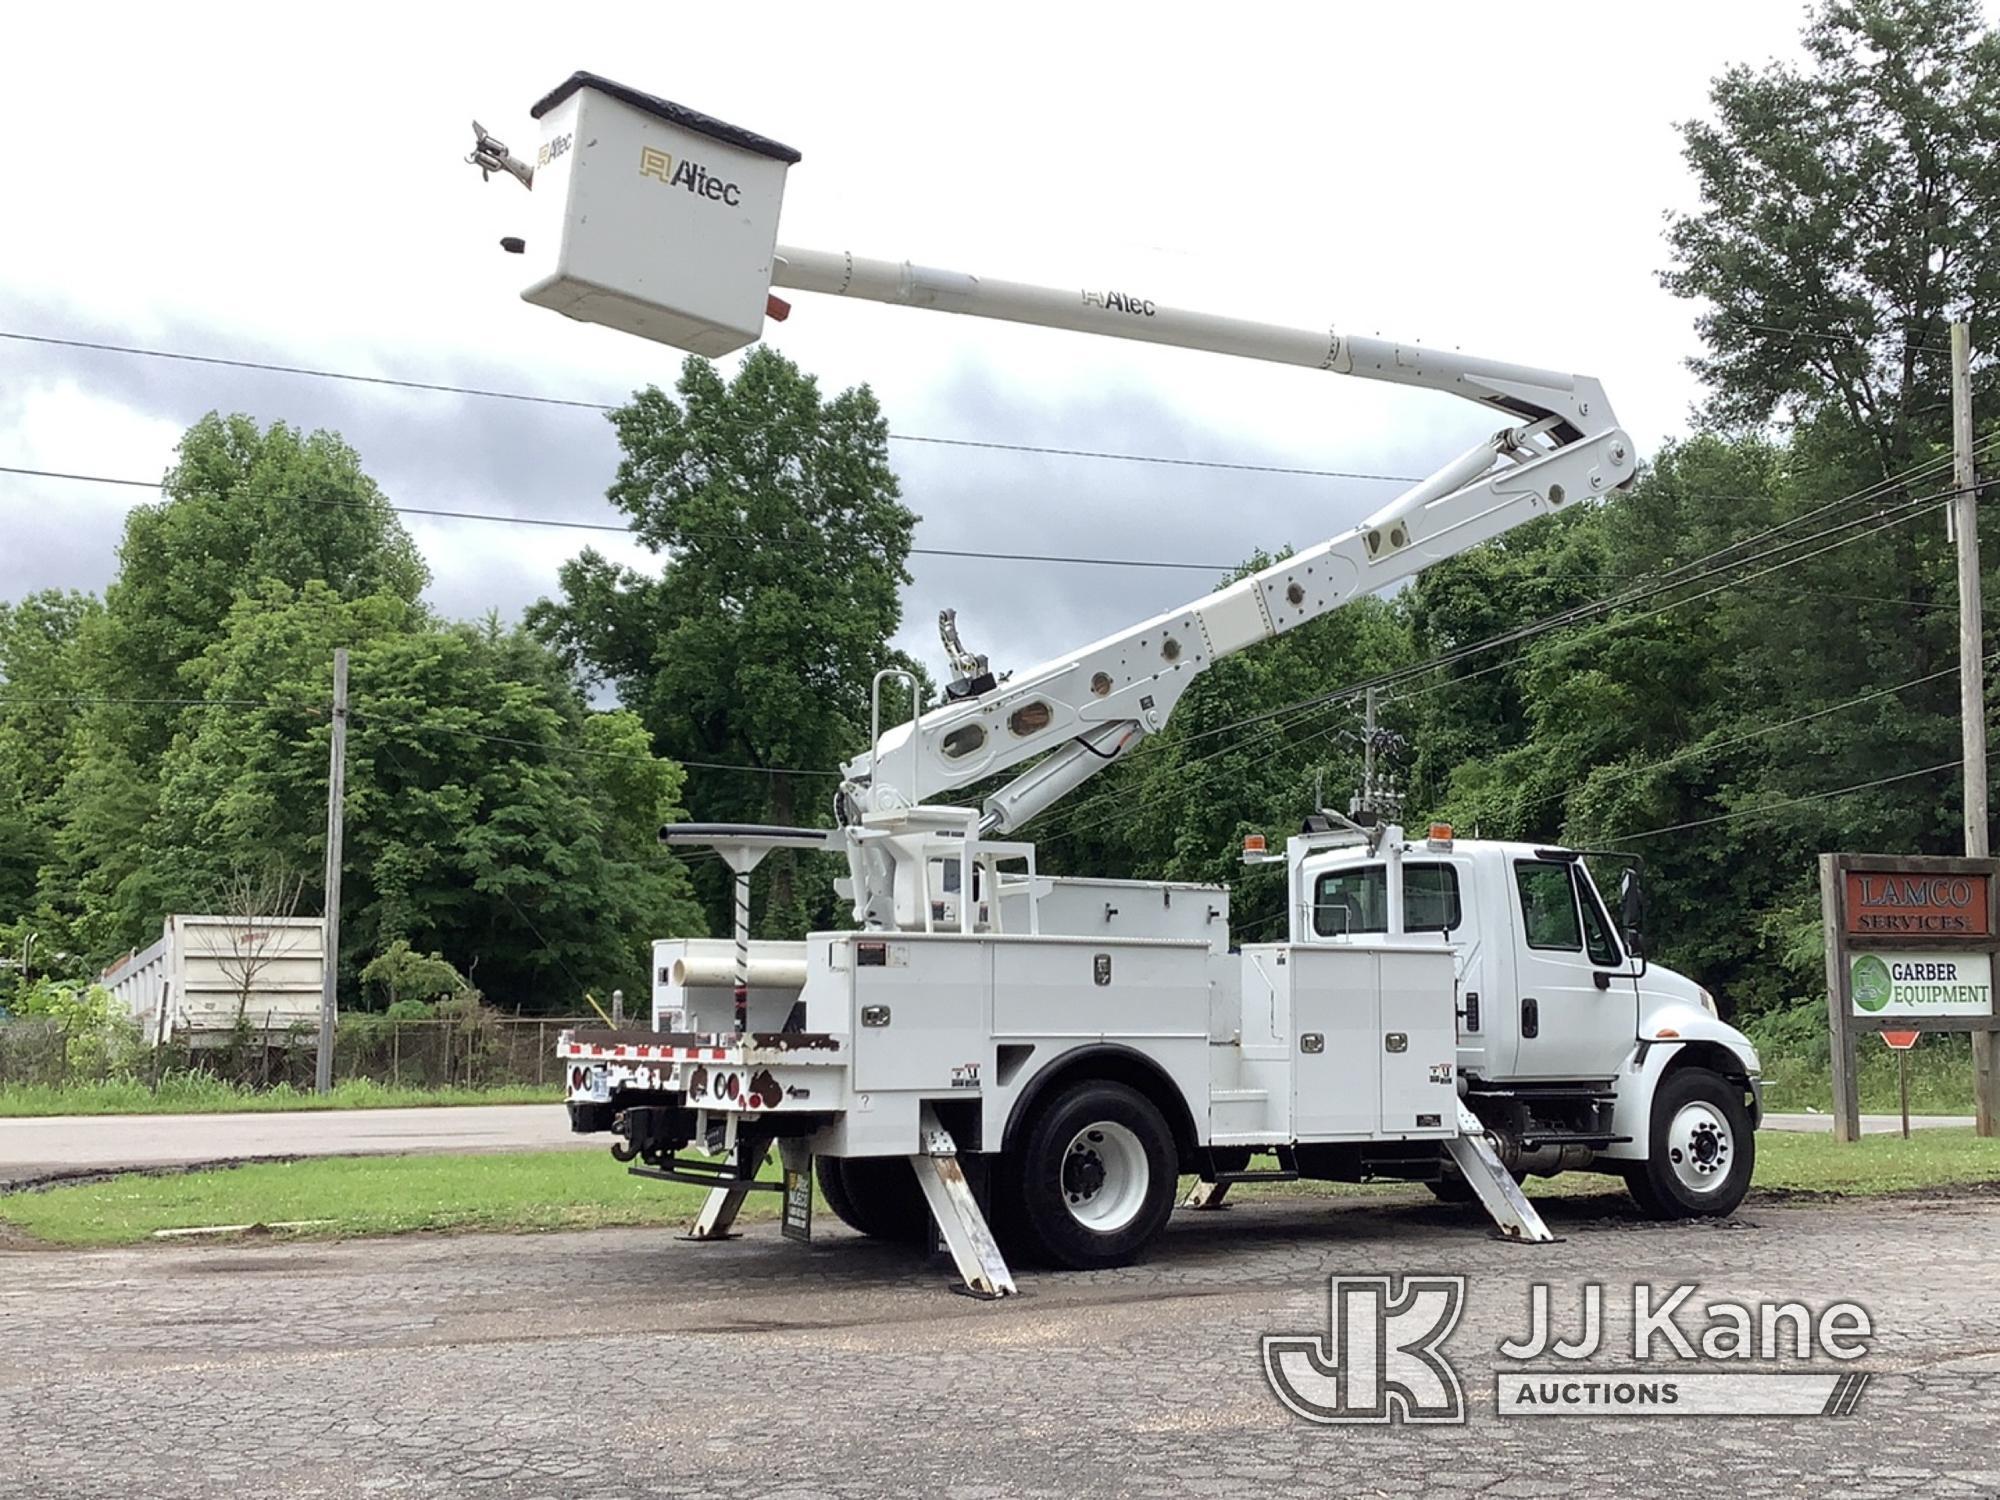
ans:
(1911, 941)
(1911, 983)
(1916, 904)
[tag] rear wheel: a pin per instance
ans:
(1703, 1149)
(876, 1195)
(1094, 1176)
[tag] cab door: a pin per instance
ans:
(1575, 1010)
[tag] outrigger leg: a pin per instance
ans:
(966, 1232)
(1499, 1194)
(717, 1219)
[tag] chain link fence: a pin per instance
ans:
(483, 1051)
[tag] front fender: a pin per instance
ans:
(1674, 1035)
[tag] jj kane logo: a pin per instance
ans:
(1382, 1357)
(692, 175)
(1379, 1360)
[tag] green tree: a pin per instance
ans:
(242, 508)
(1848, 212)
(409, 979)
(491, 817)
(783, 546)
(39, 715)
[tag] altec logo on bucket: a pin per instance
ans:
(691, 175)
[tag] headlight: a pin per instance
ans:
(1708, 1002)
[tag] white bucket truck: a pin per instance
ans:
(1058, 1052)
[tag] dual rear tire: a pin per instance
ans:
(875, 1195)
(1085, 1184)
(1093, 1178)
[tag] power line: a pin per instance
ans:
(11, 700)
(1294, 712)
(1615, 774)
(88, 701)
(484, 393)
(1576, 613)
(584, 752)
(612, 527)
(1771, 807)
(1853, 340)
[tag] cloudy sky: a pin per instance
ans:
(284, 185)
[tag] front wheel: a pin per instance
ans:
(1703, 1149)
(1094, 1176)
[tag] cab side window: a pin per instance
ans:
(1357, 901)
(1430, 898)
(1597, 939)
(1548, 905)
(1349, 901)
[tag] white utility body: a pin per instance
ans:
(1057, 1050)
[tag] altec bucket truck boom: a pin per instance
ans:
(1080, 1042)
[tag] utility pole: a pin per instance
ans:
(1971, 675)
(336, 794)
(1368, 743)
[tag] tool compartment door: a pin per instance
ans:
(1335, 1011)
(1417, 1045)
(922, 1011)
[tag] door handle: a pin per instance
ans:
(1531, 1017)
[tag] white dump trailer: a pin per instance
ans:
(208, 975)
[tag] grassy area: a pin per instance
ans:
(570, 1190)
(364, 1195)
(1799, 1162)
(201, 1093)
(1797, 1076)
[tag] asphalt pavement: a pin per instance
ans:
(627, 1363)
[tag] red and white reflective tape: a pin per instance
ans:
(643, 1052)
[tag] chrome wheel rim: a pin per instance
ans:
(1700, 1148)
(1105, 1175)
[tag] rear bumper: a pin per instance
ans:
(754, 1073)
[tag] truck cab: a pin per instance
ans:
(1567, 1034)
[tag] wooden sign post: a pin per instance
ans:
(1910, 947)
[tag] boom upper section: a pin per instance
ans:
(662, 222)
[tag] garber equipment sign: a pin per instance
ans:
(1911, 945)
(1909, 983)
(1885, 903)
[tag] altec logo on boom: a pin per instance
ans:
(1124, 302)
(691, 175)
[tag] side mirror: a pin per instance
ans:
(1632, 911)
